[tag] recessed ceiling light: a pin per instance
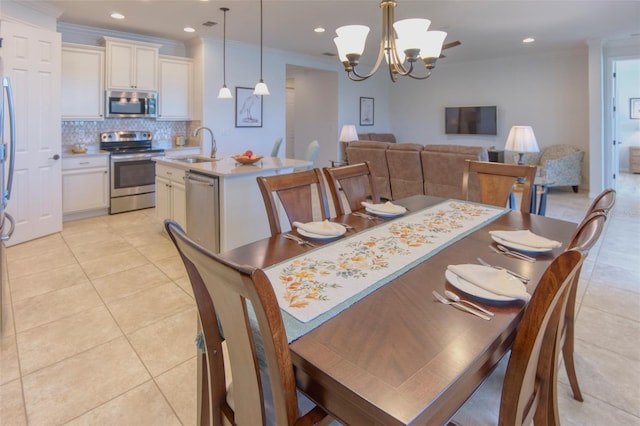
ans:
(529, 40)
(318, 29)
(116, 15)
(189, 30)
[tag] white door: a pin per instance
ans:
(32, 61)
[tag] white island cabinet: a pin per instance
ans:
(240, 208)
(170, 194)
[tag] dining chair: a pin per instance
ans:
(603, 201)
(496, 182)
(276, 147)
(250, 396)
(350, 185)
(527, 390)
(584, 238)
(300, 194)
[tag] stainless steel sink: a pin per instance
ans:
(194, 160)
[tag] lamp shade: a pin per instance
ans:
(521, 139)
(351, 39)
(348, 133)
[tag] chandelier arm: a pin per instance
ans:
(375, 67)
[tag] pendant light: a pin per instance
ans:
(224, 92)
(261, 88)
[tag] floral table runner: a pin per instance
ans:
(319, 284)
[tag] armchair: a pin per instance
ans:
(559, 164)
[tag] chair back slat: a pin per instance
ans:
(496, 182)
(299, 194)
(350, 185)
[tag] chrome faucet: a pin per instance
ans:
(214, 148)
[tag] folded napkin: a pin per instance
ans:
(493, 280)
(386, 208)
(526, 238)
(321, 228)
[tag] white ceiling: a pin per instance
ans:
(487, 29)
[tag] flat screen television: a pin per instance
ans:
(474, 120)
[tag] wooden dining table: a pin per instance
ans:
(398, 356)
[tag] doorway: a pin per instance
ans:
(311, 113)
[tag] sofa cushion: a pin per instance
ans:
(442, 168)
(405, 169)
(380, 137)
(375, 153)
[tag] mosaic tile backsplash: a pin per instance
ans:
(88, 132)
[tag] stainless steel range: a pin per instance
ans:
(133, 170)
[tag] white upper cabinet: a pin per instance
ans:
(82, 83)
(131, 65)
(174, 96)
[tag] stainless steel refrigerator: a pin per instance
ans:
(7, 155)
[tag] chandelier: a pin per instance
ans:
(403, 44)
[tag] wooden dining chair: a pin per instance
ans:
(222, 289)
(603, 201)
(350, 185)
(584, 238)
(300, 194)
(528, 390)
(496, 182)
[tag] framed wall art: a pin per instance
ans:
(248, 108)
(366, 111)
(634, 108)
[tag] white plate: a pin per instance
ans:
(382, 214)
(319, 236)
(475, 291)
(519, 247)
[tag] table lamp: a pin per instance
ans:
(521, 139)
(347, 134)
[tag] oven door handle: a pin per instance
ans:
(125, 157)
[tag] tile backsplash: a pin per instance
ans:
(88, 132)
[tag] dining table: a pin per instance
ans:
(397, 356)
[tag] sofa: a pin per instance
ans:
(561, 165)
(406, 169)
(379, 137)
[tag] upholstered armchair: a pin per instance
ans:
(559, 164)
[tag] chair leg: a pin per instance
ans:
(567, 354)
(575, 188)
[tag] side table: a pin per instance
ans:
(540, 189)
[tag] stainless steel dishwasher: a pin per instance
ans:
(203, 212)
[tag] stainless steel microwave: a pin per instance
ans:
(131, 104)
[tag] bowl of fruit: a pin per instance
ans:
(247, 158)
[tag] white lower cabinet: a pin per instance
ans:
(85, 186)
(171, 196)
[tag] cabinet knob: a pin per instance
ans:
(55, 157)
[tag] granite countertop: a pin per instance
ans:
(227, 166)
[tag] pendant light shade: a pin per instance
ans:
(261, 88)
(224, 92)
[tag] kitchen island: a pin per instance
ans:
(233, 209)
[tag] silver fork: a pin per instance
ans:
(366, 216)
(298, 240)
(460, 306)
(508, 271)
(503, 250)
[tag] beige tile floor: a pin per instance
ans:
(102, 321)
